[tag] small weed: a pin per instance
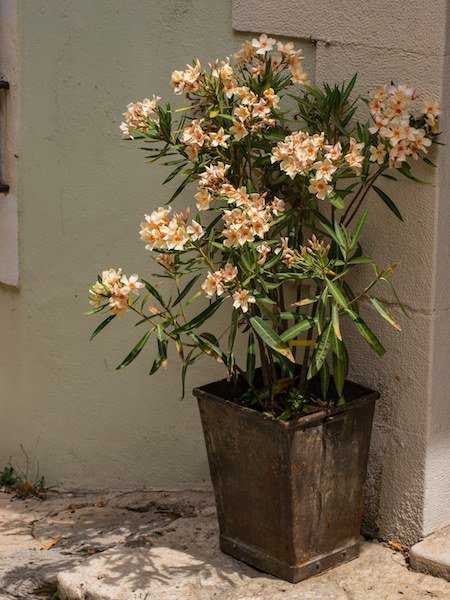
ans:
(20, 483)
(8, 477)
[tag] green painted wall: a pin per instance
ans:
(81, 194)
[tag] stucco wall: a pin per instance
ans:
(82, 193)
(409, 482)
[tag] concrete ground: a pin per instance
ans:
(163, 546)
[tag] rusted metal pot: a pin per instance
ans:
(289, 495)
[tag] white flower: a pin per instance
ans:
(238, 131)
(241, 299)
(320, 188)
(263, 250)
(203, 198)
(131, 284)
(278, 206)
(195, 230)
(111, 278)
(229, 272)
(432, 107)
(377, 154)
(260, 109)
(219, 138)
(333, 153)
(324, 169)
(213, 284)
(187, 81)
(264, 44)
(242, 113)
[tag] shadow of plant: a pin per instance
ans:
(146, 540)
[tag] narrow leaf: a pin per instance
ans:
(269, 337)
(296, 329)
(337, 293)
(185, 290)
(389, 203)
(367, 334)
(335, 321)
(153, 291)
(251, 358)
(200, 318)
(102, 325)
(135, 351)
(382, 310)
(359, 227)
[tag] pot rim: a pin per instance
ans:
(208, 392)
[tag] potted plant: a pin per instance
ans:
(282, 171)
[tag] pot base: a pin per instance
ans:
(294, 574)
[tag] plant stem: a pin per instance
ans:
(365, 189)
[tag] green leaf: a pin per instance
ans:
(135, 351)
(153, 291)
(179, 189)
(429, 162)
(269, 337)
(359, 227)
(337, 294)
(185, 290)
(405, 170)
(389, 203)
(209, 342)
(382, 310)
(189, 360)
(94, 311)
(296, 329)
(337, 201)
(360, 260)
(340, 364)
(367, 333)
(102, 325)
(324, 380)
(341, 237)
(251, 358)
(233, 331)
(200, 318)
(323, 345)
(389, 176)
(335, 321)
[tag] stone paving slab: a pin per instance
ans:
(185, 563)
(432, 555)
(164, 546)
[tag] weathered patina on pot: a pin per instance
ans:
(289, 495)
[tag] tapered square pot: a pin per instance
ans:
(289, 495)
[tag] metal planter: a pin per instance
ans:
(289, 495)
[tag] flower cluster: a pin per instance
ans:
(140, 116)
(391, 109)
(162, 231)
(311, 155)
(250, 218)
(224, 72)
(253, 112)
(254, 54)
(187, 81)
(195, 138)
(113, 289)
(215, 282)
